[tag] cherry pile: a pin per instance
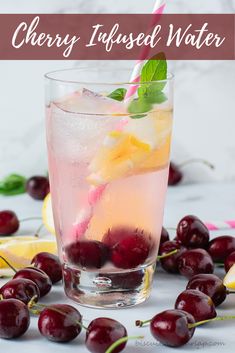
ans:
(56, 322)
(191, 254)
(195, 258)
(196, 253)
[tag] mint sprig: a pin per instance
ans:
(150, 91)
(13, 184)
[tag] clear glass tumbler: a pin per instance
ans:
(108, 168)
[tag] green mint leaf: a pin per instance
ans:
(155, 97)
(118, 94)
(138, 107)
(138, 116)
(155, 69)
(13, 184)
(17, 191)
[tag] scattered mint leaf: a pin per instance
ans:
(118, 94)
(13, 184)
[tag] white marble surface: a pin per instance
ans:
(205, 200)
(204, 95)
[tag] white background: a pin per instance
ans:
(204, 95)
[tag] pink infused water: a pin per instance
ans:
(125, 165)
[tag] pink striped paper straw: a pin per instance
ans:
(135, 77)
(95, 193)
(220, 225)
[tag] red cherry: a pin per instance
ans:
(114, 235)
(175, 175)
(131, 251)
(38, 187)
(14, 318)
(197, 304)
(87, 254)
(102, 333)
(128, 281)
(170, 327)
(22, 289)
(193, 233)
(117, 234)
(60, 323)
(170, 263)
(210, 285)
(50, 264)
(195, 261)
(229, 261)
(164, 236)
(220, 247)
(9, 222)
(37, 276)
(71, 277)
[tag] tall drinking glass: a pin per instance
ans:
(108, 168)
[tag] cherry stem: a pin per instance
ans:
(141, 323)
(38, 230)
(30, 219)
(230, 292)
(5, 276)
(122, 340)
(196, 160)
(8, 264)
(32, 305)
(218, 318)
(167, 254)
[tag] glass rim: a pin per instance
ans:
(49, 76)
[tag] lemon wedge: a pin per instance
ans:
(6, 239)
(47, 215)
(20, 253)
(229, 279)
(142, 145)
(119, 156)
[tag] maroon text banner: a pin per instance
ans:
(116, 36)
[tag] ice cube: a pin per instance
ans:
(143, 129)
(152, 129)
(89, 102)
